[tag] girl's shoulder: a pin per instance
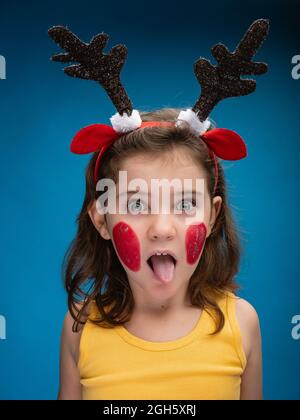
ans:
(242, 318)
(69, 387)
(245, 310)
(70, 339)
(249, 325)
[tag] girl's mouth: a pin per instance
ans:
(163, 267)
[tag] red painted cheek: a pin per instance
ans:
(128, 245)
(194, 241)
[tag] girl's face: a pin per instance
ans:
(157, 281)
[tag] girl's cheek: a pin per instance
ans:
(194, 241)
(128, 245)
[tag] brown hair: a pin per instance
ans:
(92, 270)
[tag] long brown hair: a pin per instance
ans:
(91, 268)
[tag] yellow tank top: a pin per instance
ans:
(115, 364)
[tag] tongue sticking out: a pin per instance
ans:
(163, 267)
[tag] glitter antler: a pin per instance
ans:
(94, 64)
(223, 81)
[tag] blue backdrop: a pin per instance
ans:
(42, 183)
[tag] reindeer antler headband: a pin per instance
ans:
(217, 83)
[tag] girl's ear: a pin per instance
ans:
(216, 207)
(99, 221)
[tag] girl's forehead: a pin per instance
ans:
(173, 165)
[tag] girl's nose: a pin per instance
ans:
(161, 227)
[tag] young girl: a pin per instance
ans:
(152, 307)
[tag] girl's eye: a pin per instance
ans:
(136, 206)
(186, 206)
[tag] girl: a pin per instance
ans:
(152, 307)
(160, 345)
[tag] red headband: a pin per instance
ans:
(221, 142)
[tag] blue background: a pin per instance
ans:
(42, 183)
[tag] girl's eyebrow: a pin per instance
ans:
(132, 192)
(144, 193)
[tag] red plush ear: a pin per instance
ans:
(226, 144)
(92, 138)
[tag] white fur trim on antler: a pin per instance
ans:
(123, 123)
(190, 117)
